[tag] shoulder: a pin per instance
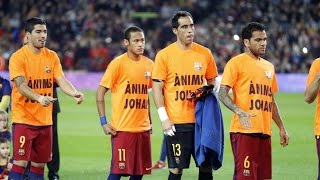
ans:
(147, 60)
(316, 62)
(199, 47)
(49, 52)
(169, 49)
(238, 59)
(267, 63)
(17, 53)
(118, 60)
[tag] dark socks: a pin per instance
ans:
(174, 176)
(136, 177)
(16, 172)
(114, 176)
(205, 176)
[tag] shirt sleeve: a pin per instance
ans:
(111, 75)
(16, 66)
(212, 71)
(159, 69)
(314, 69)
(57, 66)
(230, 74)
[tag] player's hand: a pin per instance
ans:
(284, 137)
(245, 120)
(46, 100)
(109, 130)
(79, 97)
(168, 128)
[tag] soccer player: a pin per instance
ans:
(310, 94)
(253, 83)
(128, 77)
(33, 69)
(180, 68)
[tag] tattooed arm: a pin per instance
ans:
(284, 137)
(224, 97)
(26, 91)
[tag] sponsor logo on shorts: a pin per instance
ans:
(177, 160)
(148, 169)
(246, 172)
(21, 152)
(122, 165)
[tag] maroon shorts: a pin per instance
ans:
(252, 156)
(32, 143)
(131, 153)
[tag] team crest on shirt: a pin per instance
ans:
(122, 165)
(21, 152)
(47, 69)
(246, 172)
(197, 66)
(268, 74)
(147, 74)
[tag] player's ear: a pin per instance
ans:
(126, 42)
(246, 42)
(175, 31)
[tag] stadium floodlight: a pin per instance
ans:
(236, 37)
(305, 50)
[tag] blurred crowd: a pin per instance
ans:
(87, 34)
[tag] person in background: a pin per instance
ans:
(54, 165)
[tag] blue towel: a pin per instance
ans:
(209, 132)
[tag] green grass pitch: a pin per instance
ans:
(85, 150)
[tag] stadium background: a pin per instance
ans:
(87, 35)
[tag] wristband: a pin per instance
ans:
(162, 114)
(103, 120)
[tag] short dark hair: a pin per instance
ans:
(4, 140)
(130, 30)
(246, 32)
(175, 18)
(32, 22)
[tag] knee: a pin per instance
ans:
(20, 163)
(38, 165)
(176, 171)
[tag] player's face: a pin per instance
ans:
(185, 31)
(38, 36)
(4, 150)
(3, 122)
(258, 43)
(136, 43)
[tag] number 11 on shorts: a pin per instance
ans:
(122, 154)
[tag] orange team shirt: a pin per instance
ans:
(253, 84)
(40, 71)
(129, 81)
(183, 71)
(314, 70)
